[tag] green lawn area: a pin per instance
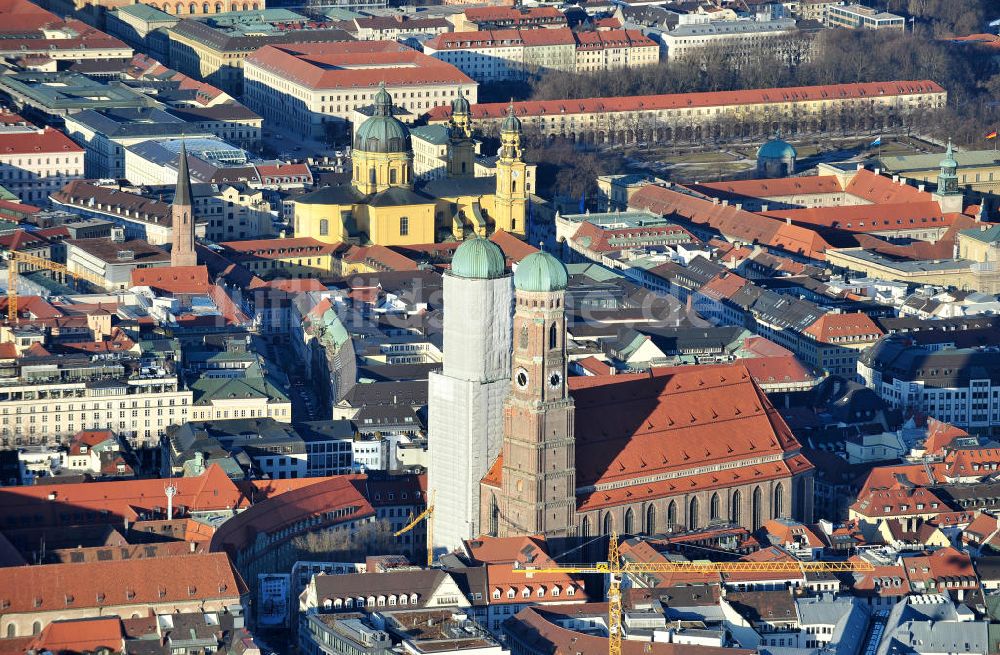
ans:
(699, 158)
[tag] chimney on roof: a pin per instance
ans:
(715, 201)
(895, 178)
(788, 220)
(920, 187)
(878, 171)
(739, 205)
(860, 166)
(763, 207)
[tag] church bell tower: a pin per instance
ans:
(512, 192)
(538, 492)
(182, 252)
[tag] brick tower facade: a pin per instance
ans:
(182, 251)
(538, 492)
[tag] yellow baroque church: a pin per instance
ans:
(382, 206)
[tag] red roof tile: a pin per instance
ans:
(47, 141)
(831, 92)
(173, 279)
(771, 188)
(81, 636)
(736, 224)
(53, 588)
(830, 327)
(353, 64)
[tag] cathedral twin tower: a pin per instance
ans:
(501, 444)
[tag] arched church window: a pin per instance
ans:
(735, 508)
(713, 513)
(553, 336)
(693, 514)
(324, 227)
(629, 521)
(651, 519)
(755, 508)
(671, 515)
(392, 176)
(522, 341)
(513, 186)
(778, 506)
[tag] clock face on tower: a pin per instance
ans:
(521, 378)
(555, 380)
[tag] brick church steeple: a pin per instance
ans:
(538, 493)
(182, 251)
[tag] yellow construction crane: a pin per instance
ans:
(427, 514)
(614, 568)
(16, 258)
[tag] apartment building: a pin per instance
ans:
(307, 88)
(50, 398)
(513, 54)
(35, 164)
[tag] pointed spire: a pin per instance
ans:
(182, 195)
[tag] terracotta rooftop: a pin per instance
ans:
(734, 223)
(49, 141)
(832, 92)
(351, 65)
(155, 581)
(651, 424)
(81, 636)
(834, 328)
(173, 279)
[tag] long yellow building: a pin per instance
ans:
(381, 206)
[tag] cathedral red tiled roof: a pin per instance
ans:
(670, 420)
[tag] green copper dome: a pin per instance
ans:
(478, 259)
(949, 158)
(776, 149)
(512, 123)
(382, 132)
(540, 271)
(460, 105)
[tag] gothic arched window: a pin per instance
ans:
(629, 521)
(553, 336)
(522, 341)
(778, 506)
(651, 519)
(693, 514)
(324, 226)
(755, 508)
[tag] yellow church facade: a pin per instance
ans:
(382, 206)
